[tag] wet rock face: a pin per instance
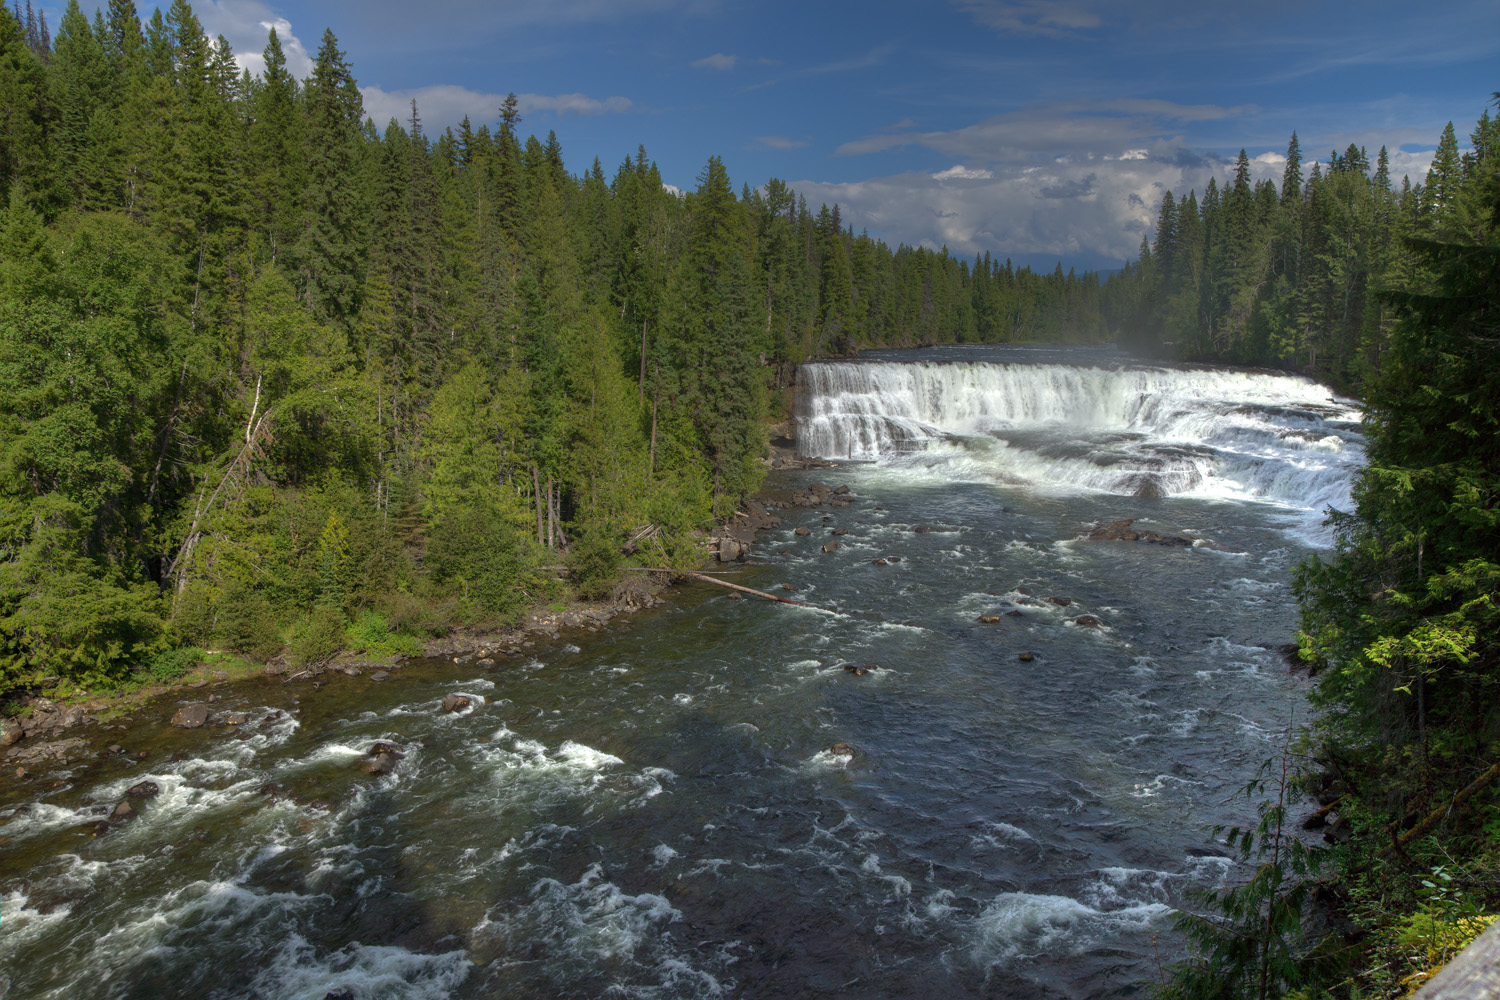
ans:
(190, 717)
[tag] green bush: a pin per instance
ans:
(171, 664)
(476, 560)
(371, 633)
(595, 564)
(320, 636)
(247, 624)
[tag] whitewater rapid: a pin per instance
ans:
(1126, 430)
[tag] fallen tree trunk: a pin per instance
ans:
(747, 590)
(1434, 817)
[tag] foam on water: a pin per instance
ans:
(1021, 925)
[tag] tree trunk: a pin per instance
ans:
(536, 493)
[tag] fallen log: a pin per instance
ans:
(748, 590)
(1434, 817)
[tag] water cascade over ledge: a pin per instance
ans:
(1126, 430)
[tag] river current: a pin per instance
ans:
(655, 811)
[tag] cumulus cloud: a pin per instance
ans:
(1086, 206)
(718, 61)
(246, 25)
(445, 104)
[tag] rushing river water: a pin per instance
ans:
(657, 813)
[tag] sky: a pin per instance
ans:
(1036, 130)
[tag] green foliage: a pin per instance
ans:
(370, 633)
(1254, 944)
(319, 635)
(259, 356)
(1400, 622)
(171, 664)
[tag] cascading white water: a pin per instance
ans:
(1141, 431)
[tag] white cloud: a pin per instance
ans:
(246, 25)
(779, 142)
(717, 61)
(445, 104)
(962, 173)
(1082, 207)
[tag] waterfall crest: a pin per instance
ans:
(1133, 431)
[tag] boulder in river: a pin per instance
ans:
(1121, 531)
(191, 717)
(841, 750)
(381, 675)
(122, 812)
(893, 559)
(456, 702)
(802, 532)
(830, 546)
(342, 993)
(989, 619)
(856, 669)
(1061, 602)
(1087, 621)
(381, 764)
(145, 790)
(235, 719)
(10, 732)
(1026, 657)
(878, 562)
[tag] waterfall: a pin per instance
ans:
(1134, 431)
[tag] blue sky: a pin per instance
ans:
(1034, 129)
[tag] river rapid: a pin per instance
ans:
(654, 810)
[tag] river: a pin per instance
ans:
(655, 811)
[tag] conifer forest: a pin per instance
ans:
(279, 382)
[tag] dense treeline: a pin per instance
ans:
(269, 373)
(1401, 623)
(1291, 277)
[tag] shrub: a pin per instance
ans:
(171, 664)
(320, 635)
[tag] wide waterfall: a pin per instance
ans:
(1124, 429)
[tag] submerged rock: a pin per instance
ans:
(841, 750)
(878, 562)
(989, 619)
(1087, 621)
(190, 717)
(1026, 657)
